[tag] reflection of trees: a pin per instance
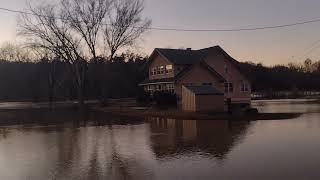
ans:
(216, 138)
(101, 152)
(4, 132)
(130, 151)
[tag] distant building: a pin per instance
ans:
(172, 69)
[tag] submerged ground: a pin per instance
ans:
(95, 146)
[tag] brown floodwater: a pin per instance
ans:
(101, 147)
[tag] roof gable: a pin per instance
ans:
(205, 66)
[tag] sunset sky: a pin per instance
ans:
(275, 46)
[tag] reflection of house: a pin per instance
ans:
(214, 137)
(171, 69)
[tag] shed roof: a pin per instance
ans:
(204, 90)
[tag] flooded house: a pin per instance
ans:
(203, 80)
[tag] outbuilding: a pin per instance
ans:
(203, 98)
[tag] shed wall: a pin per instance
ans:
(212, 103)
(188, 100)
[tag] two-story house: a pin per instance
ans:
(171, 69)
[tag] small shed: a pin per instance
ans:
(202, 98)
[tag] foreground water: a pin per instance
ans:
(159, 149)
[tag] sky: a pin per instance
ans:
(270, 47)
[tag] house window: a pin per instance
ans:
(244, 86)
(153, 71)
(150, 88)
(228, 87)
(226, 68)
(158, 70)
(162, 69)
(170, 88)
(169, 68)
(158, 87)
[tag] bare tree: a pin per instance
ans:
(48, 29)
(15, 52)
(86, 18)
(72, 29)
(125, 25)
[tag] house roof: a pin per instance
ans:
(189, 58)
(183, 56)
(204, 90)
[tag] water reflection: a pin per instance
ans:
(213, 138)
(97, 146)
(96, 151)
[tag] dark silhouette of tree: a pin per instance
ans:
(71, 31)
(289, 77)
(126, 25)
(51, 80)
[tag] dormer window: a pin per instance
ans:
(162, 70)
(169, 69)
(153, 71)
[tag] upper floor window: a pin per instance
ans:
(228, 87)
(162, 69)
(226, 68)
(244, 86)
(153, 71)
(158, 70)
(169, 68)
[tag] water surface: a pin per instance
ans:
(101, 147)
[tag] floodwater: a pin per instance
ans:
(98, 147)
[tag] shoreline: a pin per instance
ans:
(179, 115)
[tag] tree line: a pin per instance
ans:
(51, 80)
(290, 77)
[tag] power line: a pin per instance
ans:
(310, 51)
(201, 30)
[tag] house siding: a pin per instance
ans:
(218, 62)
(160, 61)
(197, 76)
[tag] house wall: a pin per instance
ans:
(212, 103)
(197, 76)
(160, 61)
(233, 75)
(201, 103)
(188, 101)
